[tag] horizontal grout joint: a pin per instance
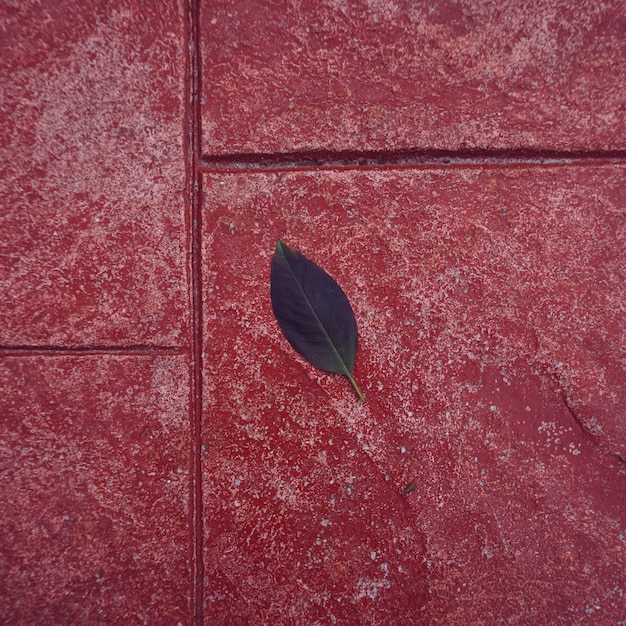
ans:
(137, 350)
(321, 160)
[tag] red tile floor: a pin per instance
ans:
(458, 166)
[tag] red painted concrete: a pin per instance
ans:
(92, 233)
(94, 474)
(490, 307)
(484, 479)
(281, 75)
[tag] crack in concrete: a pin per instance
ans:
(594, 439)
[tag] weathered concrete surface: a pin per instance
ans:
(94, 476)
(490, 303)
(92, 229)
(283, 75)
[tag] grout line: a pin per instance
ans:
(407, 159)
(192, 136)
(25, 351)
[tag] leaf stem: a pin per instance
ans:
(356, 387)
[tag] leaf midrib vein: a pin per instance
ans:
(319, 322)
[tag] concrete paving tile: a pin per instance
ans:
(484, 477)
(94, 455)
(280, 75)
(92, 227)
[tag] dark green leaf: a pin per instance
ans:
(313, 313)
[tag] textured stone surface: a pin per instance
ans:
(490, 304)
(484, 479)
(283, 75)
(92, 233)
(94, 482)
